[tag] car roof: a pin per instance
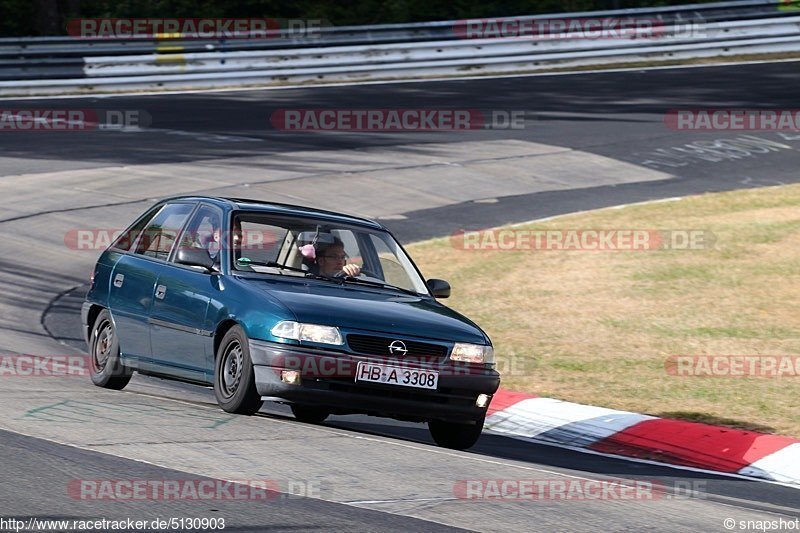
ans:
(246, 204)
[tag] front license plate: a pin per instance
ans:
(395, 375)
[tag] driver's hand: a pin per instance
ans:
(352, 270)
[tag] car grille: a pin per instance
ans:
(379, 346)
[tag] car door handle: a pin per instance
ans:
(161, 291)
(119, 279)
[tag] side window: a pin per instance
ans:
(204, 231)
(125, 241)
(260, 242)
(161, 233)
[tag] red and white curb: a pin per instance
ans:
(622, 433)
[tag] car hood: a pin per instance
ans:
(355, 307)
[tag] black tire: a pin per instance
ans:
(234, 379)
(106, 369)
(309, 414)
(454, 435)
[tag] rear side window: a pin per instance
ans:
(125, 241)
(160, 235)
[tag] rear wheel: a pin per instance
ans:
(107, 370)
(234, 379)
(309, 414)
(455, 435)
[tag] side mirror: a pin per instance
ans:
(439, 288)
(195, 257)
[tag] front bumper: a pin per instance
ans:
(328, 381)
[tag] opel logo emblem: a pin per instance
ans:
(398, 348)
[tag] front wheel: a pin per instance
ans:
(454, 435)
(107, 370)
(234, 379)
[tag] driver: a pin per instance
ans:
(331, 259)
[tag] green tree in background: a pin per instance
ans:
(49, 17)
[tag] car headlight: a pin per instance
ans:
(472, 353)
(298, 331)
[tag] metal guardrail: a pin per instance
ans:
(476, 51)
(67, 64)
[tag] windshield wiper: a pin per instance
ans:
(274, 264)
(381, 284)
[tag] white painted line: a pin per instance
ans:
(403, 500)
(393, 441)
(599, 209)
(350, 434)
(393, 82)
(783, 465)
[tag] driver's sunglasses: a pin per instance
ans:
(339, 257)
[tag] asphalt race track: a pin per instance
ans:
(589, 140)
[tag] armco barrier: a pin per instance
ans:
(478, 51)
(68, 65)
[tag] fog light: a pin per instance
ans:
(483, 400)
(292, 377)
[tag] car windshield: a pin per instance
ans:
(267, 244)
